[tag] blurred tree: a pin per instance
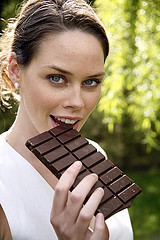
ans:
(131, 91)
(91, 2)
(8, 9)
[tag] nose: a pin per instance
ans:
(74, 98)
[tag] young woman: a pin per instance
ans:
(53, 56)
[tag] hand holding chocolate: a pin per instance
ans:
(59, 147)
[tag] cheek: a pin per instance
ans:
(36, 100)
(92, 101)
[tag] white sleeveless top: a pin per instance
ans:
(26, 199)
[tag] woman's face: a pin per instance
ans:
(62, 83)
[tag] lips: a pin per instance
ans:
(61, 121)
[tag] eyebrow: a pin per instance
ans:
(69, 73)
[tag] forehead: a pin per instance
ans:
(68, 47)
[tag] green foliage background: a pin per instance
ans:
(126, 122)
(132, 87)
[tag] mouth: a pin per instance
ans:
(62, 121)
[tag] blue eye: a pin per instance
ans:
(92, 82)
(56, 79)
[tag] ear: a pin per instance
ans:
(14, 69)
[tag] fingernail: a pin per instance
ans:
(100, 190)
(94, 175)
(77, 164)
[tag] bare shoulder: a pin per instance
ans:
(5, 233)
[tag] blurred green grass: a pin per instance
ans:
(145, 210)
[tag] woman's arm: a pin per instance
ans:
(5, 233)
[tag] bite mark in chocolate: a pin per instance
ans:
(59, 147)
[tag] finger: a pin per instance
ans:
(78, 195)
(88, 211)
(100, 228)
(63, 186)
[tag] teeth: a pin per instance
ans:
(67, 121)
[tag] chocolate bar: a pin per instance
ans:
(59, 147)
